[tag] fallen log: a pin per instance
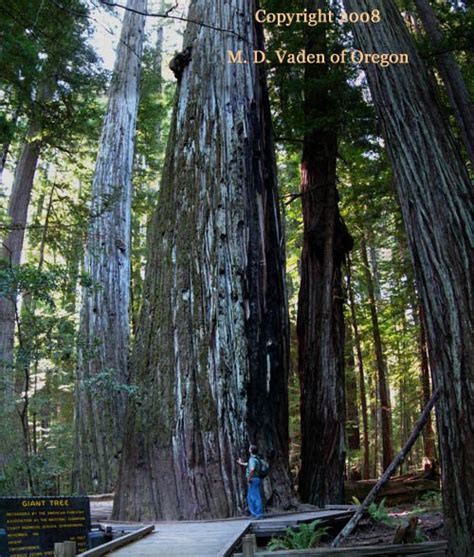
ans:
(347, 530)
(394, 491)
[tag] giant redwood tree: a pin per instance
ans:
(104, 319)
(320, 325)
(436, 200)
(210, 360)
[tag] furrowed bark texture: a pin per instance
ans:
(104, 318)
(456, 89)
(320, 327)
(212, 346)
(436, 201)
(320, 324)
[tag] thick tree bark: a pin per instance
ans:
(211, 354)
(384, 393)
(360, 366)
(436, 200)
(102, 372)
(456, 89)
(320, 324)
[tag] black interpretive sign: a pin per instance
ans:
(30, 526)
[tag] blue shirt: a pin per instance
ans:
(252, 466)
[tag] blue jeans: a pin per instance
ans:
(254, 498)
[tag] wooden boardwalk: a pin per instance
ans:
(188, 539)
(217, 538)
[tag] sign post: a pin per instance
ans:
(30, 526)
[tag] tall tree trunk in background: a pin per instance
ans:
(385, 405)
(428, 432)
(352, 406)
(360, 366)
(102, 372)
(11, 250)
(437, 202)
(11, 422)
(375, 416)
(211, 354)
(404, 363)
(320, 324)
(456, 89)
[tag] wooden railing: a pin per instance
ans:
(119, 542)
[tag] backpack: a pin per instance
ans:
(263, 467)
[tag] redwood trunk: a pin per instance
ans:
(211, 353)
(456, 89)
(352, 408)
(102, 373)
(11, 250)
(362, 389)
(14, 421)
(437, 203)
(384, 393)
(320, 324)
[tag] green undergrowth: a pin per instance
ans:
(306, 537)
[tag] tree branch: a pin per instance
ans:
(167, 15)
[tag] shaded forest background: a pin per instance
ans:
(53, 95)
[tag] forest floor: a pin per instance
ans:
(381, 530)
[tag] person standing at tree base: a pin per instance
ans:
(252, 473)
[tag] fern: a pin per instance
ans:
(379, 513)
(306, 537)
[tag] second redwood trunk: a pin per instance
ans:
(320, 325)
